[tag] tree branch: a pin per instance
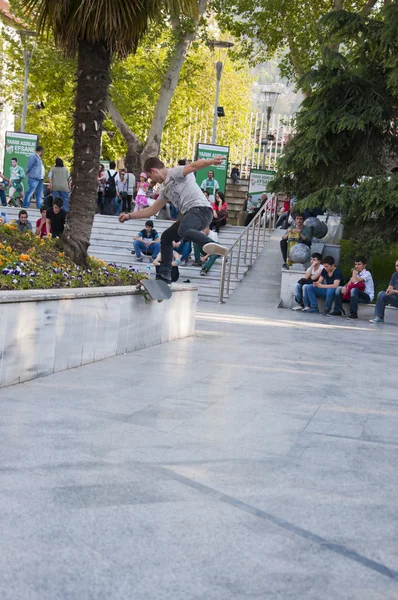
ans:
(131, 139)
(152, 145)
(368, 7)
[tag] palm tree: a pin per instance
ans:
(95, 30)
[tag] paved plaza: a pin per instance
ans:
(257, 460)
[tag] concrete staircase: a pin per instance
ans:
(235, 195)
(112, 241)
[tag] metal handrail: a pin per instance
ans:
(253, 228)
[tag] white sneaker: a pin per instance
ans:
(213, 248)
(306, 308)
(298, 307)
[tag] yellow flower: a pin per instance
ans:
(61, 254)
(1, 246)
(24, 257)
(9, 249)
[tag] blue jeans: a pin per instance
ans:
(300, 291)
(174, 212)
(313, 293)
(235, 177)
(356, 297)
(3, 197)
(382, 301)
(117, 202)
(65, 198)
(34, 186)
(153, 248)
(184, 249)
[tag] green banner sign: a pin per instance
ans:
(20, 146)
(218, 180)
(258, 182)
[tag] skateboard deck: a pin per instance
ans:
(155, 289)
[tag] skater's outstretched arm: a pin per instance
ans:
(202, 163)
(146, 212)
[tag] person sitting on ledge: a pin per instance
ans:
(146, 242)
(22, 222)
(298, 233)
(360, 288)
(312, 274)
(389, 297)
(326, 286)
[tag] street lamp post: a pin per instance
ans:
(27, 56)
(270, 99)
(219, 67)
(25, 34)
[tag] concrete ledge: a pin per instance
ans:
(46, 331)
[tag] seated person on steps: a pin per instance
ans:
(360, 289)
(22, 222)
(203, 260)
(298, 233)
(389, 297)
(326, 286)
(312, 274)
(146, 242)
(183, 247)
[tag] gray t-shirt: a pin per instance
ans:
(394, 281)
(183, 192)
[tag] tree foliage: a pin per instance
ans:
(346, 145)
(288, 28)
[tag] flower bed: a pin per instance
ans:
(30, 262)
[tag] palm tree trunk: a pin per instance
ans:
(93, 79)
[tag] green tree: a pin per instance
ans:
(270, 27)
(345, 151)
(94, 31)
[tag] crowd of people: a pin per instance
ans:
(323, 279)
(13, 185)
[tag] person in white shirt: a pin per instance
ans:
(360, 275)
(312, 274)
(130, 179)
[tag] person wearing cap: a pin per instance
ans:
(146, 242)
(141, 200)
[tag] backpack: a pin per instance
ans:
(110, 186)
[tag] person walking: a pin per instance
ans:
(35, 173)
(59, 183)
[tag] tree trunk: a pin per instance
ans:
(137, 153)
(134, 145)
(93, 81)
(152, 145)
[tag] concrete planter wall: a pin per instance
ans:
(45, 331)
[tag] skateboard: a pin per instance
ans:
(155, 289)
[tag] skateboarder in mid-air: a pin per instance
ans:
(194, 208)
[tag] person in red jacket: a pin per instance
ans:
(220, 212)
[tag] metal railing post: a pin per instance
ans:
(258, 235)
(247, 242)
(222, 281)
(238, 258)
(252, 244)
(229, 270)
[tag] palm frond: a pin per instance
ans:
(118, 24)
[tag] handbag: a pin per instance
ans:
(360, 285)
